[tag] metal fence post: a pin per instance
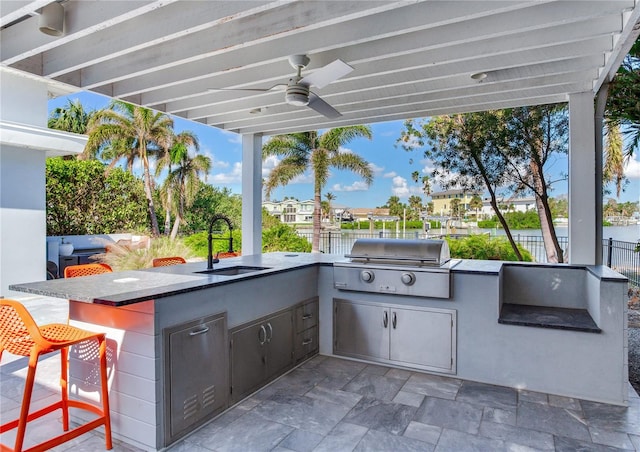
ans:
(329, 242)
(609, 251)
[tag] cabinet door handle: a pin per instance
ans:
(307, 316)
(394, 320)
(307, 341)
(270, 336)
(385, 319)
(264, 332)
(200, 331)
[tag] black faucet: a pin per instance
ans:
(210, 259)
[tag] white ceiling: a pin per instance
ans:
(410, 58)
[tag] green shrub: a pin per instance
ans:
(283, 238)
(487, 224)
(199, 246)
(484, 247)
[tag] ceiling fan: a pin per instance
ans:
(297, 91)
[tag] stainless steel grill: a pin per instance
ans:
(403, 267)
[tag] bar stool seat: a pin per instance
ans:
(166, 261)
(73, 271)
(19, 335)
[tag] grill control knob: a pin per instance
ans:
(408, 278)
(367, 276)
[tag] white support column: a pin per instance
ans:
(582, 180)
(251, 194)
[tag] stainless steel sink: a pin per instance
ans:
(232, 271)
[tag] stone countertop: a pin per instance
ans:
(133, 286)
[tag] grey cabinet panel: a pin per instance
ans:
(422, 337)
(360, 330)
(306, 343)
(248, 362)
(306, 316)
(279, 343)
(196, 379)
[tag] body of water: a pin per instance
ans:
(623, 233)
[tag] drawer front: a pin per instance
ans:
(306, 316)
(306, 343)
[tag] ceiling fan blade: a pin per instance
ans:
(327, 74)
(322, 107)
(259, 90)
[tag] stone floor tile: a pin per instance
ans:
(373, 369)
(635, 440)
(313, 362)
(399, 373)
(487, 395)
(533, 397)
(384, 442)
(380, 415)
(457, 441)
(609, 438)
(298, 381)
(564, 444)
(558, 421)
(565, 402)
(347, 399)
(280, 449)
(612, 417)
(433, 386)
(301, 441)
(377, 386)
(499, 416)
(302, 412)
(450, 414)
(344, 437)
(521, 436)
(249, 432)
(408, 398)
(423, 432)
(335, 367)
(184, 446)
(200, 438)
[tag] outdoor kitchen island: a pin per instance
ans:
(494, 336)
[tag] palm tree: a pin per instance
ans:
(126, 130)
(329, 197)
(316, 152)
(476, 204)
(72, 118)
(184, 180)
(615, 159)
(177, 151)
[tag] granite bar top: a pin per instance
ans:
(548, 317)
(133, 286)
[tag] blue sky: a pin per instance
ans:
(392, 166)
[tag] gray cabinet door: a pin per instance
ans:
(248, 359)
(198, 376)
(423, 338)
(361, 330)
(279, 342)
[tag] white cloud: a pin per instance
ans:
(401, 189)
(411, 143)
(632, 169)
(232, 177)
(305, 178)
(356, 186)
(375, 168)
(343, 150)
(389, 175)
(233, 137)
(269, 164)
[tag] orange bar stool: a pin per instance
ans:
(73, 271)
(226, 254)
(19, 335)
(166, 261)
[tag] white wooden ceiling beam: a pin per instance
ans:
(82, 20)
(413, 43)
(12, 10)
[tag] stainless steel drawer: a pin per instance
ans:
(306, 343)
(306, 316)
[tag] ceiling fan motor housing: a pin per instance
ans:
(297, 94)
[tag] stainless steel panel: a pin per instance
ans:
(400, 251)
(248, 365)
(306, 343)
(435, 282)
(279, 343)
(423, 337)
(306, 316)
(196, 385)
(360, 331)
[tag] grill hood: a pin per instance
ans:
(400, 252)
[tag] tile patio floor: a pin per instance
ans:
(330, 404)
